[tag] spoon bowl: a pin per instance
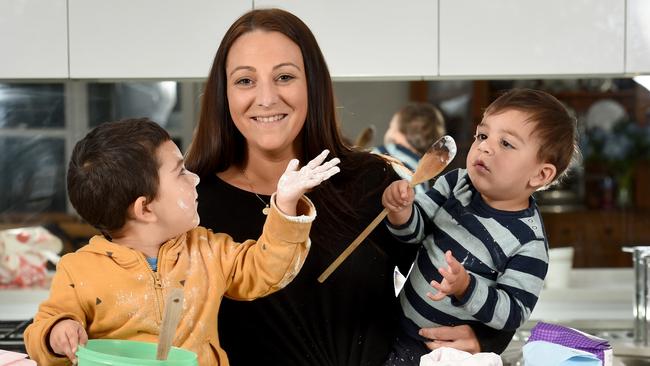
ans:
(435, 160)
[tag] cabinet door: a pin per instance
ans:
(638, 36)
(371, 38)
(531, 37)
(639, 229)
(605, 234)
(33, 39)
(162, 39)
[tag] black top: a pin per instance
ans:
(350, 319)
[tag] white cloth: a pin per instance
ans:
(446, 356)
(8, 358)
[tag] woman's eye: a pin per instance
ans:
(244, 81)
(285, 77)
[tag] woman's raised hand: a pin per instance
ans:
(295, 182)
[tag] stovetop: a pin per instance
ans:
(11, 335)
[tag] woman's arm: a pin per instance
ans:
(474, 339)
(492, 340)
(461, 337)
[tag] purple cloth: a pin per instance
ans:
(569, 337)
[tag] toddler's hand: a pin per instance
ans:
(398, 199)
(455, 280)
(295, 182)
(65, 336)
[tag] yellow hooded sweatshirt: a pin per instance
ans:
(111, 290)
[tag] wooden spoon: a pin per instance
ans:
(431, 164)
(171, 316)
(365, 137)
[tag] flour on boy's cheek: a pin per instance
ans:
(188, 208)
(187, 199)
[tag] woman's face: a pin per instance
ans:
(267, 90)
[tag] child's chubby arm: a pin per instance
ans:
(65, 336)
(455, 280)
(255, 269)
(510, 301)
(398, 198)
(57, 330)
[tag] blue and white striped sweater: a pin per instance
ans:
(505, 253)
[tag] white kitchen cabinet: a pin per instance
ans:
(161, 39)
(532, 37)
(33, 39)
(637, 48)
(371, 38)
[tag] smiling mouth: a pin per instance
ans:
(269, 119)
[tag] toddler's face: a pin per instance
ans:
(175, 205)
(503, 159)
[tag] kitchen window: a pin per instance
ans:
(41, 122)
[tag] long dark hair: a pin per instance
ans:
(218, 144)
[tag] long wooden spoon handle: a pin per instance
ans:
(352, 246)
(430, 165)
(171, 316)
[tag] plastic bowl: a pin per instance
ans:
(115, 352)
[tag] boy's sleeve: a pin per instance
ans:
(425, 206)
(509, 303)
(411, 231)
(62, 304)
(257, 268)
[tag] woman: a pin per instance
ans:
(269, 99)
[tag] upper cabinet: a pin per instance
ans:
(371, 38)
(170, 39)
(33, 39)
(164, 39)
(637, 48)
(532, 37)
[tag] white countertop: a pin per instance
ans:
(20, 304)
(596, 299)
(592, 294)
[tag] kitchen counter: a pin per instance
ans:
(20, 304)
(592, 293)
(598, 301)
(603, 294)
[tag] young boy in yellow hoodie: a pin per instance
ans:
(128, 179)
